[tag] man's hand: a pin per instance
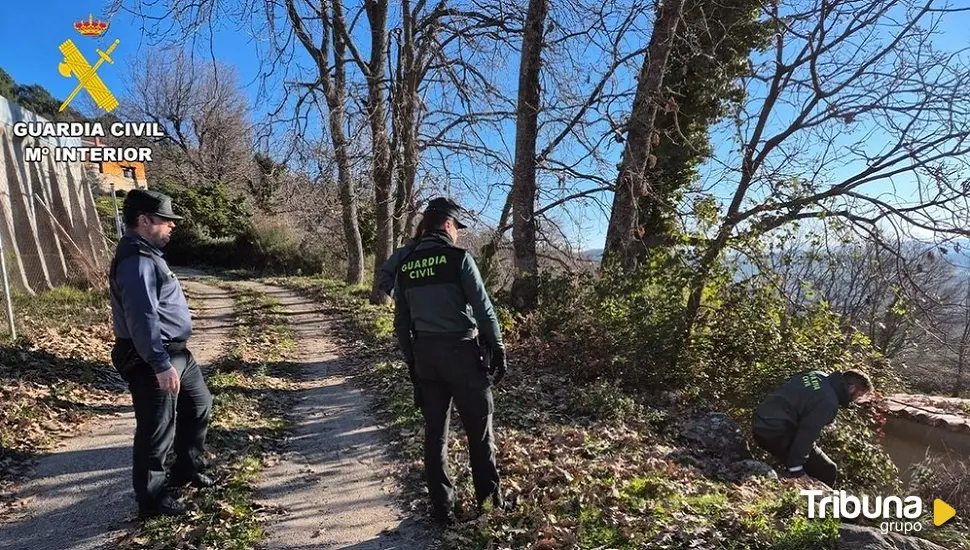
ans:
(168, 381)
(418, 398)
(498, 365)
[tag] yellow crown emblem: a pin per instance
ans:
(91, 27)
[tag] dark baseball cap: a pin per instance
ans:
(447, 207)
(150, 202)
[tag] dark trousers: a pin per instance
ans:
(448, 369)
(818, 465)
(165, 421)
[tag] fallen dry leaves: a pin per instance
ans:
(587, 467)
(54, 377)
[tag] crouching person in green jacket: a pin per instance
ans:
(789, 421)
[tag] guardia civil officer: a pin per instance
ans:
(441, 311)
(791, 418)
(152, 325)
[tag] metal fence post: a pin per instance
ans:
(114, 201)
(6, 292)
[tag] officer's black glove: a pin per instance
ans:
(412, 374)
(497, 365)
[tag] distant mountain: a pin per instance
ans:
(957, 253)
(593, 254)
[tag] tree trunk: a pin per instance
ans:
(525, 286)
(348, 204)
(382, 169)
(964, 344)
(631, 184)
(335, 92)
(348, 195)
(698, 286)
(405, 107)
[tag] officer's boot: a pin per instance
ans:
(447, 516)
(165, 506)
(498, 502)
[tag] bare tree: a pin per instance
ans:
(204, 114)
(408, 72)
(587, 68)
(375, 74)
(331, 45)
(318, 29)
(852, 100)
(893, 292)
(525, 293)
(437, 57)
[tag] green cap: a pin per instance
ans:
(447, 207)
(150, 202)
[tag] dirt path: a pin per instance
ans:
(333, 482)
(80, 497)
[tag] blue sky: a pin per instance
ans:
(29, 47)
(30, 54)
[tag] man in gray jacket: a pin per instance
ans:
(152, 325)
(789, 421)
(441, 311)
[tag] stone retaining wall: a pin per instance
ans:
(38, 247)
(922, 425)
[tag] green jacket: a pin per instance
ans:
(439, 289)
(799, 409)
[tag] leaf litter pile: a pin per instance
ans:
(588, 467)
(250, 385)
(54, 376)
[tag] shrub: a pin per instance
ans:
(104, 205)
(948, 480)
(272, 248)
(746, 341)
(209, 210)
(220, 230)
(852, 442)
(212, 220)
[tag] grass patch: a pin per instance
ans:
(62, 307)
(950, 481)
(249, 387)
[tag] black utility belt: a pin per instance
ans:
(170, 345)
(469, 334)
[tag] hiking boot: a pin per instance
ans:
(447, 516)
(199, 481)
(166, 506)
(498, 503)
